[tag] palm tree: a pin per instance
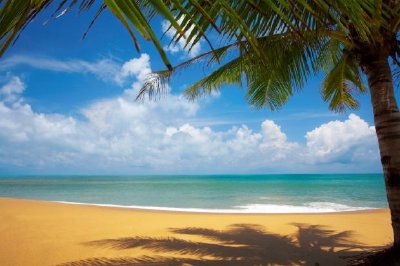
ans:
(272, 47)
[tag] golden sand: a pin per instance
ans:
(48, 233)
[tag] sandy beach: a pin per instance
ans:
(48, 233)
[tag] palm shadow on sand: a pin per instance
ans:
(240, 244)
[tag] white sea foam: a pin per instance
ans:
(313, 207)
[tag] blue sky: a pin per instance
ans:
(67, 107)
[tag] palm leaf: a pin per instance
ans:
(341, 82)
(286, 66)
(229, 73)
(156, 83)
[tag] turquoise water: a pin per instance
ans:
(225, 193)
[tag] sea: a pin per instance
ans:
(289, 193)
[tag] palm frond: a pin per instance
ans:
(234, 21)
(156, 83)
(288, 59)
(129, 13)
(341, 83)
(229, 73)
(14, 15)
(277, 44)
(96, 16)
(155, 86)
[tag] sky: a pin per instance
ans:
(67, 106)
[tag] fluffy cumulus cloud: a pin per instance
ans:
(336, 138)
(138, 68)
(120, 135)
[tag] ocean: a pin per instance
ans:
(300, 193)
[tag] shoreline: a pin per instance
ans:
(202, 210)
(217, 211)
(49, 233)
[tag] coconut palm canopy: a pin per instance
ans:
(274, 45)
(271, 47)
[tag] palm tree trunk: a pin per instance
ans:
(387, 125)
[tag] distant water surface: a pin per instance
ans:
(216, 193)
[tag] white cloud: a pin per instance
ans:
(14, 86)
(180, 46)
(275, 141)
(105, 69)
(12, 89)
(136, 67)
(119, 135)
(336, 138)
